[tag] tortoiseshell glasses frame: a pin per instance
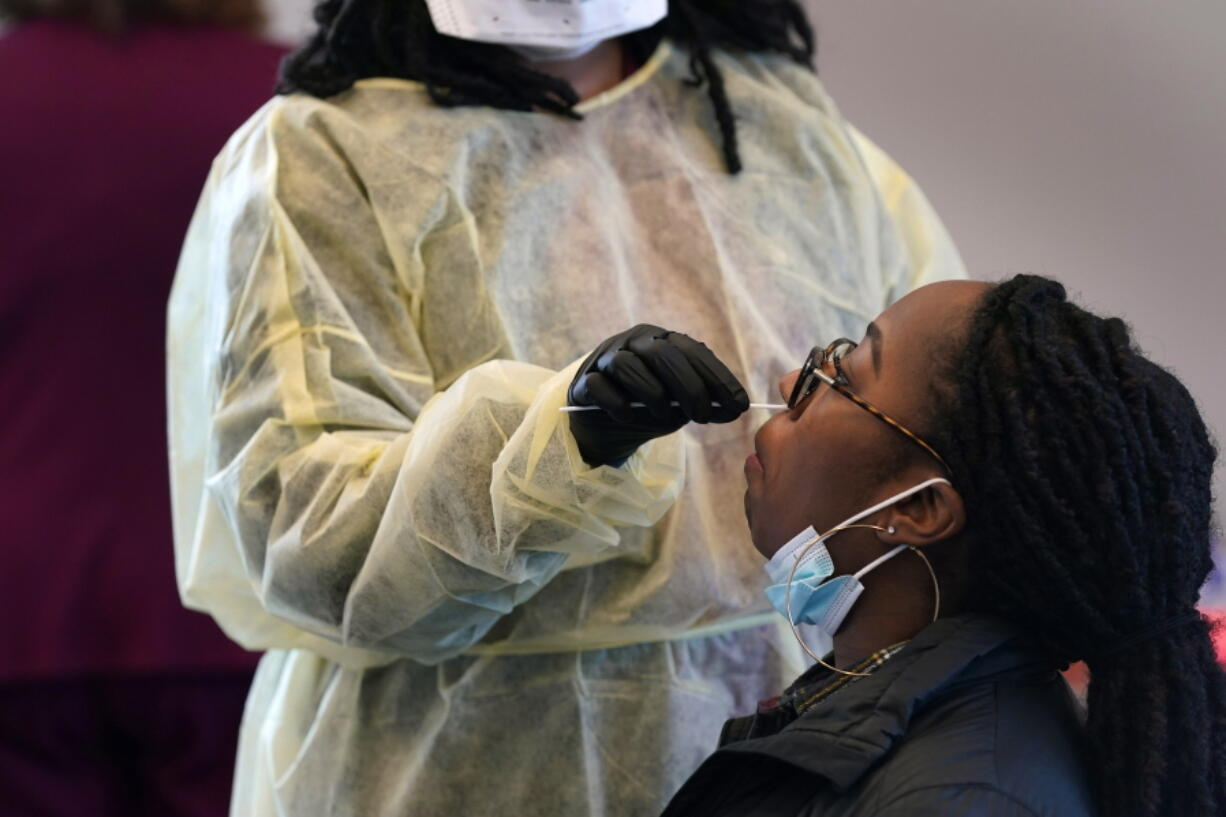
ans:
(813, 372)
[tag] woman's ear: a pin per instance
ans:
(933, 515)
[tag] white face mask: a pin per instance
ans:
(540, 30)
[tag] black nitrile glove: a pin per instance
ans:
(656, 367)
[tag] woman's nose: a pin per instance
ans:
(786, 383)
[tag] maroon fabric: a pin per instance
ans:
(162, 747)
(107, 145)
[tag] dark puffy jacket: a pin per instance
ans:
(968, 719)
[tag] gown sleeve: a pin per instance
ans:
(930, 251)
(328, 492)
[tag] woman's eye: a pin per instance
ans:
(844, 366)
(840, 372)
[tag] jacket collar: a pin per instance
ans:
(843, 736)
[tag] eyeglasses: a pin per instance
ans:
(813, 372)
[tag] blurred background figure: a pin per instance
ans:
(113, 698)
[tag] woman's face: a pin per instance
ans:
(825, 459)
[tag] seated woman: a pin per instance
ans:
(1004, 485)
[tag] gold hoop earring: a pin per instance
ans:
(936, 608)
(792, 576)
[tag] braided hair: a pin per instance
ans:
(1086, 472)
(357, 39)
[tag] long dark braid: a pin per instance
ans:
(357, 39)
(1087, 471)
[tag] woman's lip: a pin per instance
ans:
(752, 463)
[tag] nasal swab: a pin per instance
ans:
(763, 406)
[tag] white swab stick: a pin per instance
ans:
(763, 406)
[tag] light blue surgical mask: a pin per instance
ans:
(814, 597)
(803, 590)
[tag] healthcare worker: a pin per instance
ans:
(1003, 484)
(393, 276)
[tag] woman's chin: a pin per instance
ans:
(753, 536)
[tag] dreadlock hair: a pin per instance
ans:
(357, 39)
(1086, 472)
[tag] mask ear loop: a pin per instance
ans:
(936, 587)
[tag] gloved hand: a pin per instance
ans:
(653, 366)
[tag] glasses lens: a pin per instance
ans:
(841, 347)
(832, 357)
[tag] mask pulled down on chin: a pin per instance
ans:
(804, 589)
